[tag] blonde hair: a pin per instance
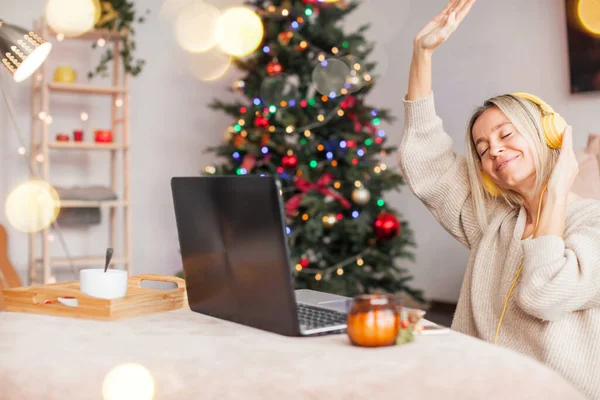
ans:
(526, 117)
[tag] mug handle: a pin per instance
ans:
(136, 281)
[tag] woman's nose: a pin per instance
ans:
(496, 150)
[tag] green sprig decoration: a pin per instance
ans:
(120, 16)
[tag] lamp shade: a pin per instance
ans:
(22, 52)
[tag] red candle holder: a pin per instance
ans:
(62, 137)
(78, 135)
(103, 136)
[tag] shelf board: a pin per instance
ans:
(84, 203)
(94, 35)
(81, 261)
(83, 88)
(86, 146)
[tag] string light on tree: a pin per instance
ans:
(239, 86)
(329, 220)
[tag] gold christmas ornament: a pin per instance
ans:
(329, 220)
(361, 196)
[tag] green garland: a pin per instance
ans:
(119, 15)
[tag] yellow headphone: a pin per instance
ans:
(553, 126)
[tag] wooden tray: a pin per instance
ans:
(43, 299)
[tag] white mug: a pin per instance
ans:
(111, 284)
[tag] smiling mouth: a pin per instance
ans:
(505, 163)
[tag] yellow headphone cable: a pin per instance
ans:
(518, 272)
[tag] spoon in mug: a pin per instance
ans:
(109, 253)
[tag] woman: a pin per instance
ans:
(532, 282)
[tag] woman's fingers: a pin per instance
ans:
(464, 9)
(449, 26)
(444, 13)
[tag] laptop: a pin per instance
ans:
(236, 259)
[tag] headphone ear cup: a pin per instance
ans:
(490, 186)
(554, 127)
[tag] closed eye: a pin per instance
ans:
(482, 154)
(507, 135)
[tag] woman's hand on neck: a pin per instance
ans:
(552, 215)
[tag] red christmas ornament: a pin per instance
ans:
(386, 226)
(274, 68)
(261, 121)
(289, 161)
(304, 262)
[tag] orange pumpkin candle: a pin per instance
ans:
(373, 320)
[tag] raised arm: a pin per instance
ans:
(433, 171)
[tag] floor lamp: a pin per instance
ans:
(22, 52)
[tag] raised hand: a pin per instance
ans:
(439, 29)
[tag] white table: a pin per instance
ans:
(193, 356)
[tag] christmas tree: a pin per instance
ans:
(302, 117)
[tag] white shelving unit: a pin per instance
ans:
(42, 143)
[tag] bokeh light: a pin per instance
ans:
(196, 25)
(32, 206)
(239, 31)
(128, 382)
(71, 17)
(329, 77)
(209, 65)
(588, 12)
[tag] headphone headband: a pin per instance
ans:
(543, 105)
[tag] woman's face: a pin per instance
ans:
(505, 155)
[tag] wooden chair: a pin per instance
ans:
(8, 275)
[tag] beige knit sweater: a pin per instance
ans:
(553, 314)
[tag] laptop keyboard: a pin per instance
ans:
(314, 317)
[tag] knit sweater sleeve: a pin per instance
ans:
(559, 275)
(435, 173)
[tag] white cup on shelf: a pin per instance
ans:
(111, 284)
